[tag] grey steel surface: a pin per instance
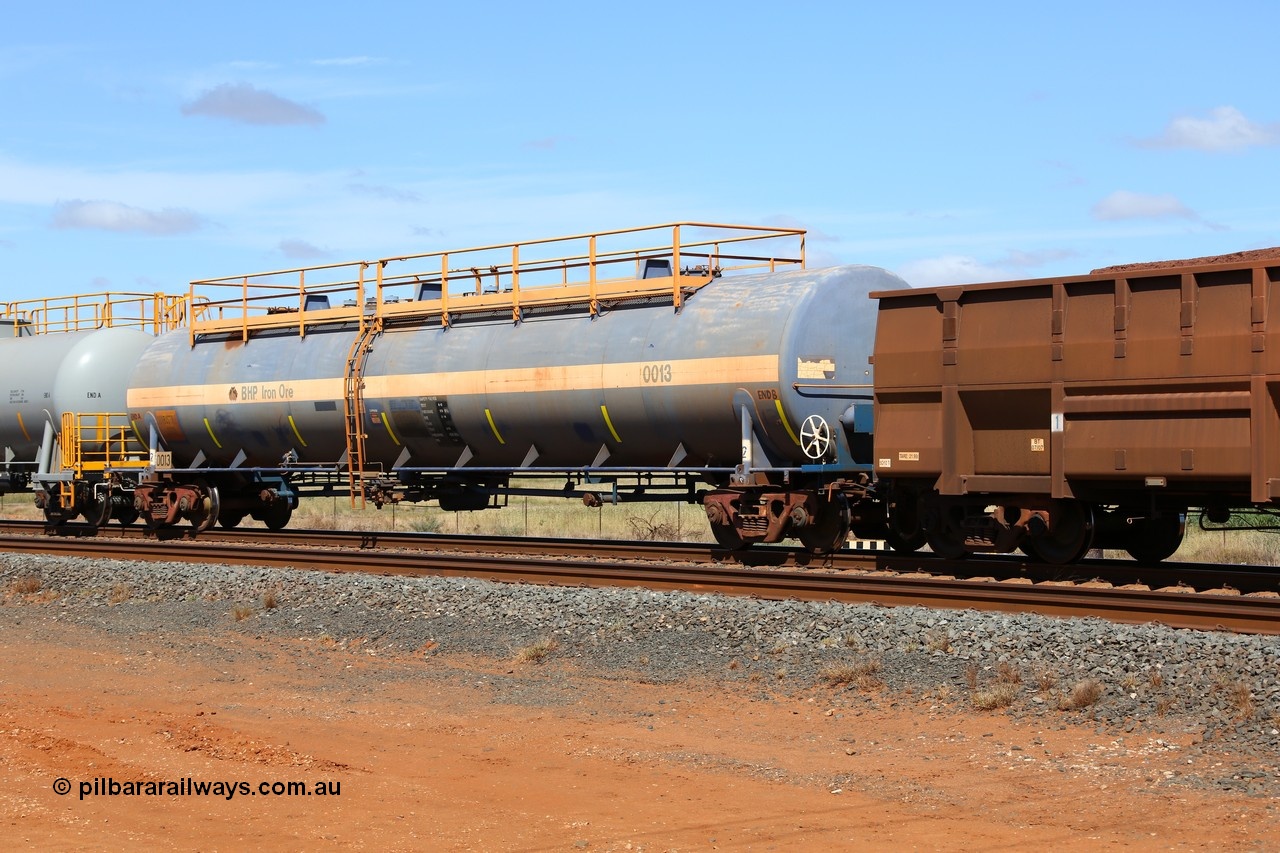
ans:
(538, 384)
(42, 376)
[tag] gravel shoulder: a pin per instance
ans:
(460, 714)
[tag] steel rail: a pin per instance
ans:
(1190, 576)
(1179, 610)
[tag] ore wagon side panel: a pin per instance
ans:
(1164, 379)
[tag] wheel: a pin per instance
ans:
(1071, 537)
(97, 507)
(815, 437)
(205, 513)
(1151, 540)
(829, 530)
(946, 546)
(728, 537)
(126, 516)
(230, 518)
(904, 532)
(54, 514)
(276, 515)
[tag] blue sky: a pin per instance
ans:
(146, 144)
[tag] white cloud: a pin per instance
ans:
(244, 103)
(1123, 204)
(386, 192)
(963, 269)
(1030, 260)
(251, 211)
(27, 183)
(114, 216)
(812, 235)
(547, 143)
(252, 65)
(348, 61)
(949, 269)
(301, 250)
(1226, 129)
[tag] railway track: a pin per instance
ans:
(855, 577)
(1185, 577)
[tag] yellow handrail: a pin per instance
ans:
(99, 441)
(670, 259)
(155, 313)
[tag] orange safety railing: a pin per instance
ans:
(152, 312)
(99, 441)
(583, 269)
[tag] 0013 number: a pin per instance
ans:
(652, 374)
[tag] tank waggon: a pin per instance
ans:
(60, 357)
(1059, 415)
(689, 367)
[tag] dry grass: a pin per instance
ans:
(120, 593)
(1240, 547)
(1240, 696)
(533, 516)
(1007, 673)
(1082, 695)
(538, 652)
(1046, 680)
(270, 600)
(944, 693)
(25, 585)
(938, 641)
(999, 695)
(649, 528)
(860, 674)
(241, 612)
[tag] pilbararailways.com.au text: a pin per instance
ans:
(188, 787)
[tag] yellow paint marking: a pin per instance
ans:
(295, 431)
(785, 423)
(23, 426)
(137, 432)
(387, 424)
(488, 414)
(609, 423)
(211, 435)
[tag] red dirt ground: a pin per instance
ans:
(438, 752)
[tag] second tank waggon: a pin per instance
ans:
(61, 356)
